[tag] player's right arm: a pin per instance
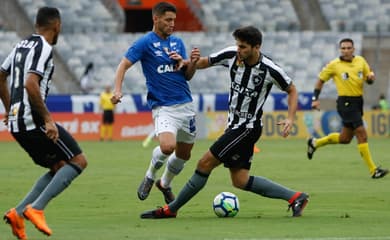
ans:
(4, 94)
(123, 66)
(315, 104)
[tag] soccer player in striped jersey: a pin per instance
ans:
(250, 85)
(30, 67)
(162, 56)
(349, 73)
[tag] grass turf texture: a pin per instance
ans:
(345, 203)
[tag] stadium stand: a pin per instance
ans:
(91, 33)
(81, 16)
(300, 53)
(7, 41)
(357, 15)
(268, 15)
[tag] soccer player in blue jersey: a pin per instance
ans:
(163, 57)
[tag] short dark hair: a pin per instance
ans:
(46, 15)
(249, 34)
(162, 7)
(346, 40)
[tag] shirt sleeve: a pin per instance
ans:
(327, 72)
(135, 51)
(222, 57)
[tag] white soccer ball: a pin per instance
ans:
(226, 204)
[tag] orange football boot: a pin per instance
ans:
(16, 222)
(37, 218)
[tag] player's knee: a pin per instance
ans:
(80, 160)
(167, 149)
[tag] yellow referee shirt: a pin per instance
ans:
(105, 101)
(348, 76)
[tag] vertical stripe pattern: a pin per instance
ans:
(250, 86)
(31, 55)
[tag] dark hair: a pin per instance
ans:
(162, 7)
(345, 40)
(249, 34)
(46, 15)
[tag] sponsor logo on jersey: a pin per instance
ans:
(165, 68)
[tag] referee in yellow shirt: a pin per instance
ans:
(349, 72)
(106, 127)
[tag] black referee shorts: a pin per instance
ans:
(108, 116)
(235, 147)
(350, 110)
(44, 151)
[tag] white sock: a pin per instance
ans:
(158, 159)
(173, 168)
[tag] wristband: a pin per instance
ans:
(316, 94)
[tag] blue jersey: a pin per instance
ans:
(166, 86)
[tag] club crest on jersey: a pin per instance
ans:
(156, 44)
(257, 79)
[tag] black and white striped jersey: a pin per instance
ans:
(250, 86)
(32, 55)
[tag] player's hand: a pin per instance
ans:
(287, 125)
(51, 131)
(371, 76)
(315, 105)
(195, 55)
(178, 58)
(116, 98)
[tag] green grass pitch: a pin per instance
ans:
(345, 203)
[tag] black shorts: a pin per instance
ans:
(350, 110)
(108, 116)
(44, 151)
(235, 147)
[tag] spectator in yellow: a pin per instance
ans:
(106, 128)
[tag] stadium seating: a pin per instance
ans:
(302, 54)
(88, 37)
(268, 15)
(357, 15)
(7, 41)
(81, 16)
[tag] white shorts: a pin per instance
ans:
(178, 119)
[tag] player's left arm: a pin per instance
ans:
(292, 102)
(191, 63)
(36, 101)
(370, 75)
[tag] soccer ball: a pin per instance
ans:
(226, 204)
